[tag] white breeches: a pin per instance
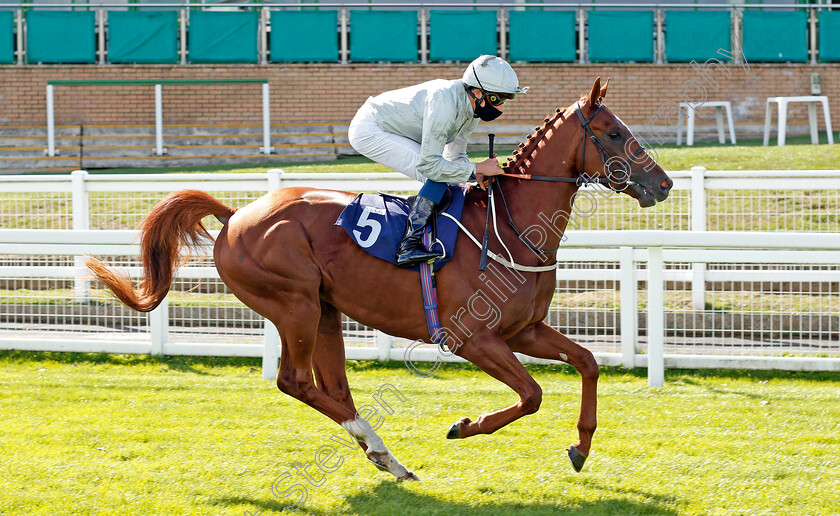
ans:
(389, 149)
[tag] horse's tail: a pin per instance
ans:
(172, 223)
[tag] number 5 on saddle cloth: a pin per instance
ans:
(377, 224)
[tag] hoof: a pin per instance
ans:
(576, 458)
(455, 430)
(409, 476)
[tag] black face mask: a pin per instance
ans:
(487, 112)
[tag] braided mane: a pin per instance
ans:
(520, 161)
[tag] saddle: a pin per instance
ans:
(376, 222)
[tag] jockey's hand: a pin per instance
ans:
(487, 168)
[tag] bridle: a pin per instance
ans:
(582, 179)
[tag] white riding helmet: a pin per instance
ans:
(492, 74)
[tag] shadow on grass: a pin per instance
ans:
(389, 498)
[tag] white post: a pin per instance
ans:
(51, 152)
(159, 326)
(424, 43)
(159, 150)
(581, 36)
(101, 14)
(656, 318)
(736, 34)
(502, 34)
(263, 35)
(184, 20)
(384, 342)
(698, 223)
(629, 312)
(812, 19)
(660, 44)
(266, 105)
(271, 351)
(275, 179)
(81, 222)
(19, 21)
(345, 52)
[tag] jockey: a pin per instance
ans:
(422, 131)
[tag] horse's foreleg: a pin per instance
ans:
(331, 379)
(492, 355)
(543, 341)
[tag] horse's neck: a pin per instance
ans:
(552, 150)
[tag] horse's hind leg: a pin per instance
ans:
(543, 341)
(331, 379)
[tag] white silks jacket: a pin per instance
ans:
(438, 115)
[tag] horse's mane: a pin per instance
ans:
(518, 162)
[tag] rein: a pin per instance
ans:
(582, 179)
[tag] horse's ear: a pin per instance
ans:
(604, 88)
(595, 93)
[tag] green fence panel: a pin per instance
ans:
(462, 35)
(697, 35)
(830, 36)
(621, 36)
(142, 36)
(775, 36)
(304, 36)
(223, 37)
(60, 37)
(7, 40)
(529, 38)
(383, 35)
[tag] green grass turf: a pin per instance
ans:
(798, 154)
(112, 434)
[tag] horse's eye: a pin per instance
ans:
(615, 135)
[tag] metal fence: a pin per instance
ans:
(768, 299)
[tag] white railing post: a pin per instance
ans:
(629, 311)
(424, 40)
(275, 179)
(159, 150)
(159, 326)
(384, 343)
(266, 105)
(698, 223)
(81, 221)
(344, 51)
(51, 152)
(656, 318)
(271, 351)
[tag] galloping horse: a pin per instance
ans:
(283, 256)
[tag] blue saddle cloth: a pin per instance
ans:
(377, 223)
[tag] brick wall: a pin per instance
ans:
(332, 93)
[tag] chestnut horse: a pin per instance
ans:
(283, 256)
